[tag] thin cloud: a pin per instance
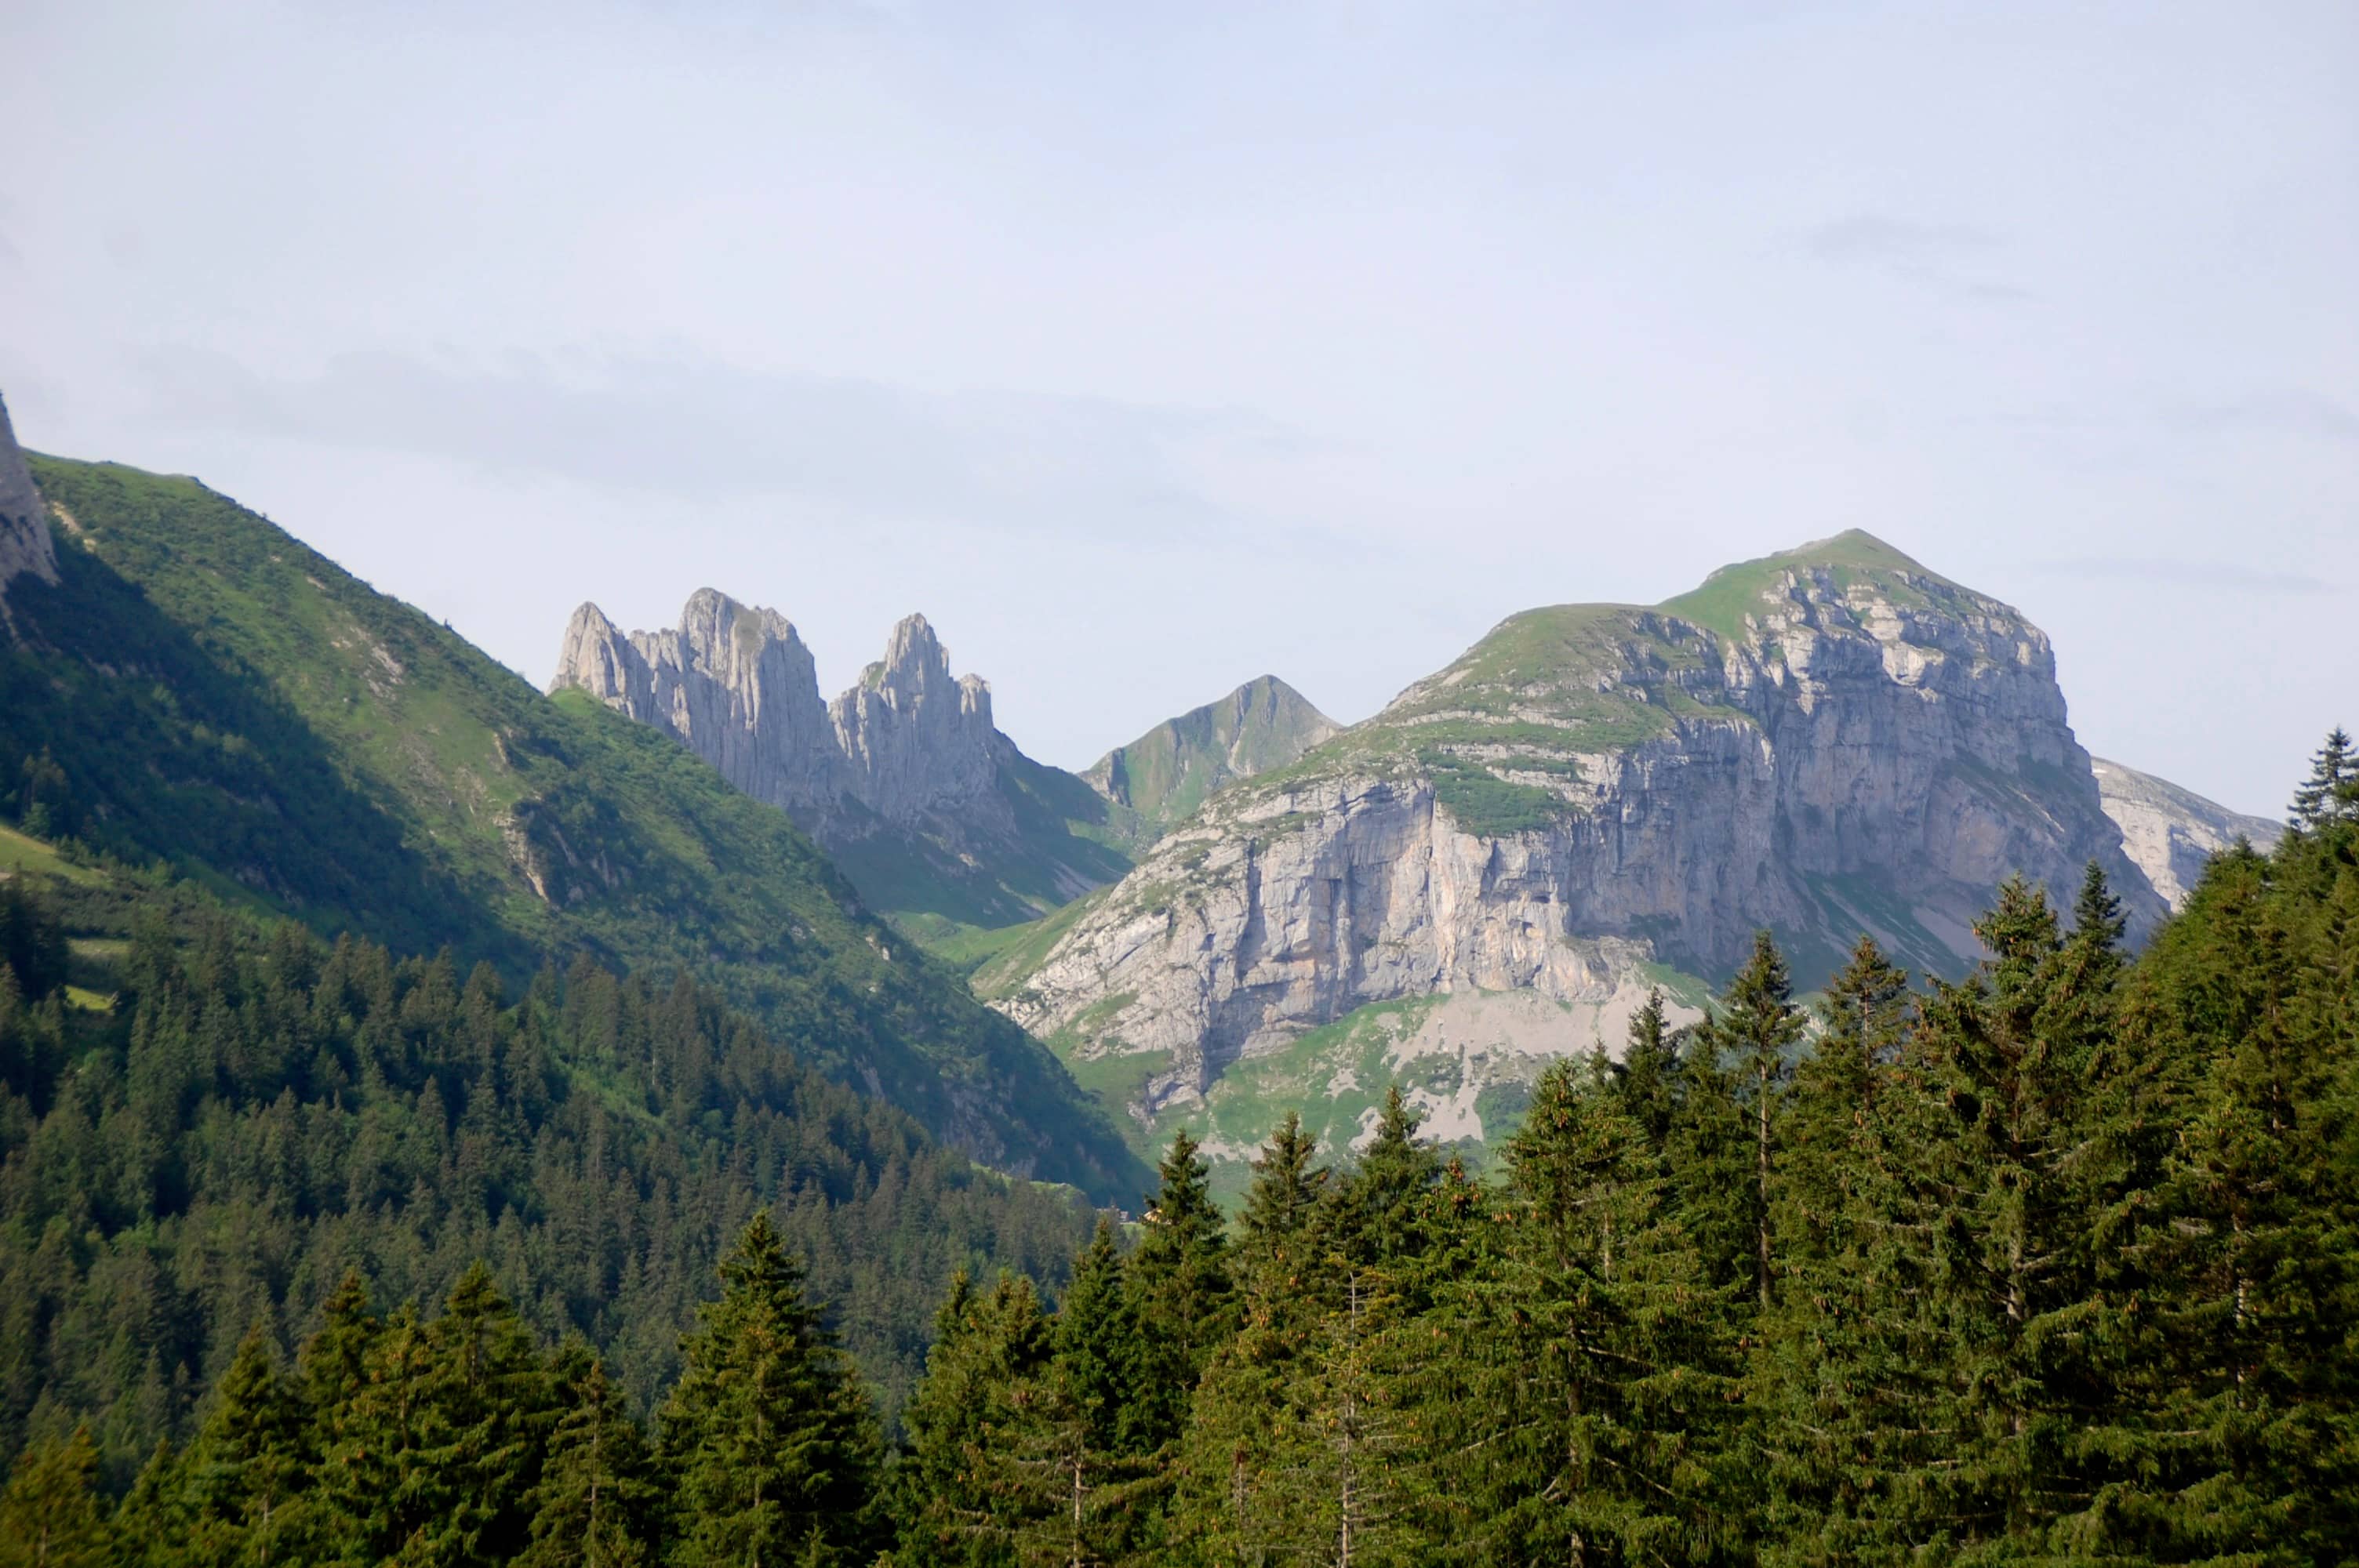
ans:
(1937, 257)
(2180, 573)
(2288, 411)
(689, 428)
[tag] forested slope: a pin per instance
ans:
(248, 1114)
(200, 689)
(2056, 1263)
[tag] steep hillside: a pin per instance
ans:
(1822, 741)
(937, 818)
(199, 688)
(25, 548)
(1163, 776)
(2171, 832)
(175, 1074)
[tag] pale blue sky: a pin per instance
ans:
(1146, 349)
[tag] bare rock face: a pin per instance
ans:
(735, 686)
(2171, 832)
(904, 777)
(26, 547)
(915, 739)
(1823, 743)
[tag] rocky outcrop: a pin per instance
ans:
(26, 547)
(1826, 741)
(2171, 832)
(930, 808)
(1164, 774)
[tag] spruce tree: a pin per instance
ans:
(50, 1515)
(1729, 1128)
(594, 1504)
(1182, 1295)
(2330, 794)
(1283, 1199)
(490, 1397)
(768, 1442)
(1231, 1500)
(1375, 1213)
(963, 1495)
(1649, 1080)
(1585, 1434)
(245, 1477)
(1101, 1351)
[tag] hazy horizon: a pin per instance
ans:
(1147, 354)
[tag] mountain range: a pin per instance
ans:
(220, 699)
(1248, 907)
(1251, 908)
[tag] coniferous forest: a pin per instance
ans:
(2056, 1263)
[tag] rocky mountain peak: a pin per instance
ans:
(1826, 741)
(26, 547)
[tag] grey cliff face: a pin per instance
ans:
(1825, 743)
(2171, 832)
(926, 807)
(26, 547)
(913, 738)
(737, 686)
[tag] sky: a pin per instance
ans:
(1148, 348)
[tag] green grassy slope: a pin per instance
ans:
(1164, 774)
(221, 698)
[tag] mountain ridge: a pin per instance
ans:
(1169, 771)
(935, 814)
(2172, 831)
(219, 695)
(1589, 795)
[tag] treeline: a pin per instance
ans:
(262, 1114)
(457, 1440)
(2057, 1264)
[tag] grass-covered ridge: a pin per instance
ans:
(220, 697)
(1499, 732)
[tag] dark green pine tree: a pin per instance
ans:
(1829, 1133)
(2330, 794)
(1847, 1371)
(1101, 1352)
(2250, 1278)
(1649, 1079)
(1283, 1199)
(1597, 1374)
(246, 1479)
(50, 1515)
(1232, 1502)
(152, 1526)
(334, 1366)
(1995, 1140)
(1182, 1295)
(961, 1495)
(594, 1505)
(380, 1484)
(492, 1406)
(1377, 1212)
(1728, 1135)
(769, 1443)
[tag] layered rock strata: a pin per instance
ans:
(2172, 832)
(1823, 743)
